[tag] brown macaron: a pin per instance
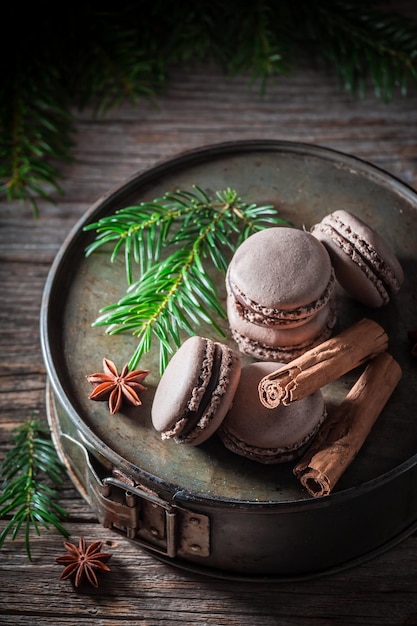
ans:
(269, 435)
(280, 277)
(365, 265)
(195, 391)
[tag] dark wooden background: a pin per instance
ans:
(199, 107)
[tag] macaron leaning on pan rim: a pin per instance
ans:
(269, 435)
(195, 391)
(365, 265)
(280, 276)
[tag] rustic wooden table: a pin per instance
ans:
(199, 107)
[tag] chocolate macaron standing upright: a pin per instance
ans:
(365, 265)
(195, 391)
(279, 280)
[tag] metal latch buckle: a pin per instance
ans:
(148, 519)
(138, 512)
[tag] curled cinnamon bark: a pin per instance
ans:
(345, 430)
(323, 364)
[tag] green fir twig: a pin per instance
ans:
(365, 46)
(36, 134)
(175, 240)
(98, 56)
(31, 474)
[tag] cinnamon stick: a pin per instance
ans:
(323, 364)
(345, 430)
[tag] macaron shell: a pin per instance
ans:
(278, 337)
(369, 242)
(352, 273)
(191, 372)
(365, 265)
(221, 399)
(253, 313)
(269, 435)
(281, 271)
(285, 354)
(183, 383)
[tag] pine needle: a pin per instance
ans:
(97, 57)
(365, 46)
(30, 472)
(36, 132)
(175, 240)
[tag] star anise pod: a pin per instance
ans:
(116, 387)
(82, 562)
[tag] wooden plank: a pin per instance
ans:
(140, 587)
(199, 107)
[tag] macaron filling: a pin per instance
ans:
(280, 277)
(210, 400)
(195, 416)
(363, 254)
(268, 455)
(285, 353)
(256, 313)
(278, 336)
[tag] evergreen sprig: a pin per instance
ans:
(175, 292)
(31, 473)
(98, 56)
(36, 133)
(365, 45)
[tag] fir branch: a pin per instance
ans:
(142, 230)
(175, 292)
(36, 130)
(186, 31)
(96, 57)
(116, 59)
(363, 43)
(173, 295)
(31, 472)
(262, 44)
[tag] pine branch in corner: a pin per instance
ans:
(96, 56)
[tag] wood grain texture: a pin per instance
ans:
(199, 107)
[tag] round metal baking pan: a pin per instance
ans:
(218, 513)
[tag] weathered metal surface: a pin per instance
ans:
(262, 523)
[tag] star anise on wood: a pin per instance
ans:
(117, 388)
(82, 562)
